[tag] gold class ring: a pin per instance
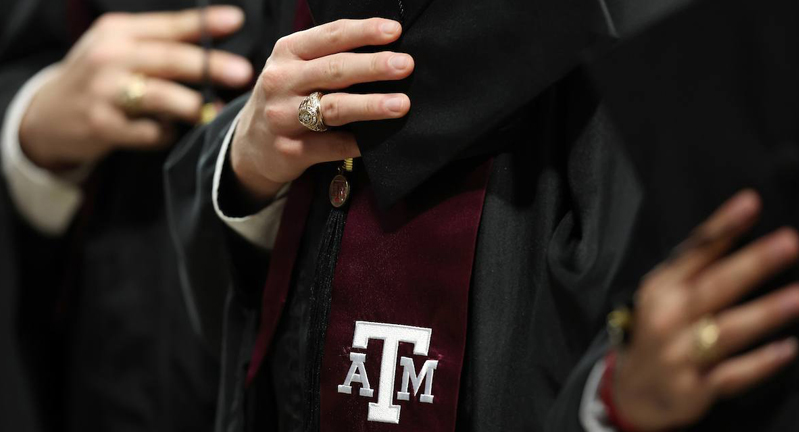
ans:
(310, 113)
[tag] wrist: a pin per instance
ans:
(607, 393)
(251, 186)
(236, 199)
(34, 149)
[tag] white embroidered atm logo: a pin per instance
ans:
(384, 409)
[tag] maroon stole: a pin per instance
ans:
(396, 334)
(397, 331)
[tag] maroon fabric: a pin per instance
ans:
(281, 266)
(302, 18)
(410, 266)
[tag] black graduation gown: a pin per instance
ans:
(560, 206)
(94, 331)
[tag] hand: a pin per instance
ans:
(270, 146)
(661, 380)
(77, 116)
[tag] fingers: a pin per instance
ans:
(339, 109)
(740, 373)
(144, 134)
(744, 325)
(114, 127)
(166, 98)
(714, 237)
(183, 25)
(320, 147)
(728, 280)
(182, 62)
(343, 70)
(339, 36)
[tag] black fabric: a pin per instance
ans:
(29, 336)
(704, 115)
(107, 343)
(561, 207)
(536, 42)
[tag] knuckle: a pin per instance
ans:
(335, 32)
(156, 100)
(331, 107)
(283, 45)
(110, 22)
(335, 69)
(181, 19)
(169, 60)
(273, 115)
(272, 78)
(661, 325)
(101, 55)
(376, 63)
(287, 148)
(371, 107)
(650, 287)
(712, 282)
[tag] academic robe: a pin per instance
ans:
(95, 332)
(494, 80)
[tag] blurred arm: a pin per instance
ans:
(47, 201)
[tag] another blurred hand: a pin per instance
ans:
(79, 116)
(689, 334)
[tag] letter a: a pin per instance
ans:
(357, 374)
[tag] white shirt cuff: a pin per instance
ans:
(260, 228)
(593, 415)
(47, 201)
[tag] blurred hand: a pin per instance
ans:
(271, 147)
(79, 116)
(662, 381)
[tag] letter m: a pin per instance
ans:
(409, 375)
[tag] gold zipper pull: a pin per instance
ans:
(339, 191)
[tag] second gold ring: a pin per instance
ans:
(132, 94)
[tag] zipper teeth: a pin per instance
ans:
(401, 11)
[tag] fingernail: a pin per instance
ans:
(238, 71)
(783, 244)
(394, 104)
(744, 205)
(790, 304)
(785, 349)
(230, 16)
(399, 62)
(390, 27)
